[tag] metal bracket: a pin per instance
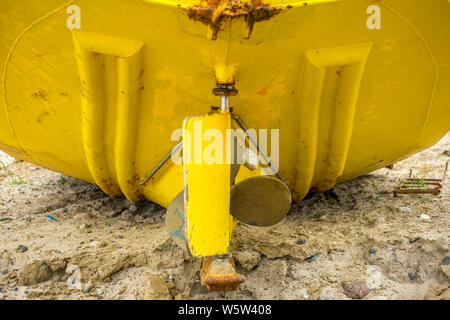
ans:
(219, 274)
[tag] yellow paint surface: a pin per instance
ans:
(206, 185)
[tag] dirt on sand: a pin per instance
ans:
(356, 241)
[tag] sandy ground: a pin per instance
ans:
(55, 229)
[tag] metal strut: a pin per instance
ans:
(177, 147)
(225, 105)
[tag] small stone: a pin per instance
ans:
(446, 261)
(15, 289)
(305, 296)
(4, 271)
(83, 215)
(405, 209)
(389, 247)
(301, 241)
(356, 290)
(24, 249)
(84, 226)
(424, 216)
(133, 208)
(379, 220)
(313, 258)
(97, 244)
(323, 217)
(412, 276)
(372, 250)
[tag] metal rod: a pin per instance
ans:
(177, 147)
(255, 144)
(225, 103)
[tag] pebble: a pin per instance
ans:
(24, 249)
(313, 258)
(133, 208)
(424, 216)
(84, 226)
(446, 261)
(372, 250)
(323, 217)
(301, 241)
(356, 290)
(412, 276)
(83, 215)
(405, 209)
(4, 271)
(97, 244)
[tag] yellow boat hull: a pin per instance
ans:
(100, 103)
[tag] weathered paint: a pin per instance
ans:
(213, 13)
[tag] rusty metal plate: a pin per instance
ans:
(261, 201)
(219, 274)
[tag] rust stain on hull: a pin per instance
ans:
(213, 12)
